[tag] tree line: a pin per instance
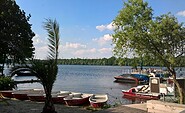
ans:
(113, 61)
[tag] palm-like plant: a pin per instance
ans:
(47, 70)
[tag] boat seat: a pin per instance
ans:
(98, 97)
(64, 93)
(76, 98)
(76, 95)
(98, 100)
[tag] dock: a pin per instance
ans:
(26, 81)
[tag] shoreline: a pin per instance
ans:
(17, 106)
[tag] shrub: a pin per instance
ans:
(6, 83)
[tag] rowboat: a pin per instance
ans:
(58, 97)
(23, 94)
(134, 92)
(36, 96)
(98, 100)
(76, 99)
(7, 93)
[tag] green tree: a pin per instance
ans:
(162, 38)
(46, 70)
(6, 83)
(15, 32)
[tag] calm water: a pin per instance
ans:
(87, 79)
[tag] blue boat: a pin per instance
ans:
(142, 78)
(132, 78)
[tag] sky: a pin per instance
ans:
(85, 25)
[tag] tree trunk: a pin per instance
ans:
(49, 106)
(181, 92)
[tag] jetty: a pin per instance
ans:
(26, 81)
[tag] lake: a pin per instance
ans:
(87, 79)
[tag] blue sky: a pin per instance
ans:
(85, 25)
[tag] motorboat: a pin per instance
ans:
(142, 92)
(132, 78)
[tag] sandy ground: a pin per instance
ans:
(17, 106)
(131, 108)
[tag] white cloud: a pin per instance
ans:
(36, 40)
(106, 27)
(83, 52)
(105, 50)
(74, 45)
(181, 13)
(41, 48)
(75, 50)
(41, 52)
(107, 38)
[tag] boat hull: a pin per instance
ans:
(77, 99)
(58, 97)
(23, 94)
(132, 78)
(98, 101)
(58, 100)
(7, 93)
(141, 95)
(38, 98)
(97, 105)
(20, 96)
(125, 80)
(77, 102)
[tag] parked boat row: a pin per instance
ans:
(60, 97)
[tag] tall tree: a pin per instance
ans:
(161, 38)
(15, 32)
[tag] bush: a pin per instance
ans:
(6, 83)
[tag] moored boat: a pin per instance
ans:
(7, 93)
(98, 100)
(36, 96)
(138, 93)
(76, 99)
(20, 94)
(132, 78)
(59, 97)
(23, 94)
(126, 78)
